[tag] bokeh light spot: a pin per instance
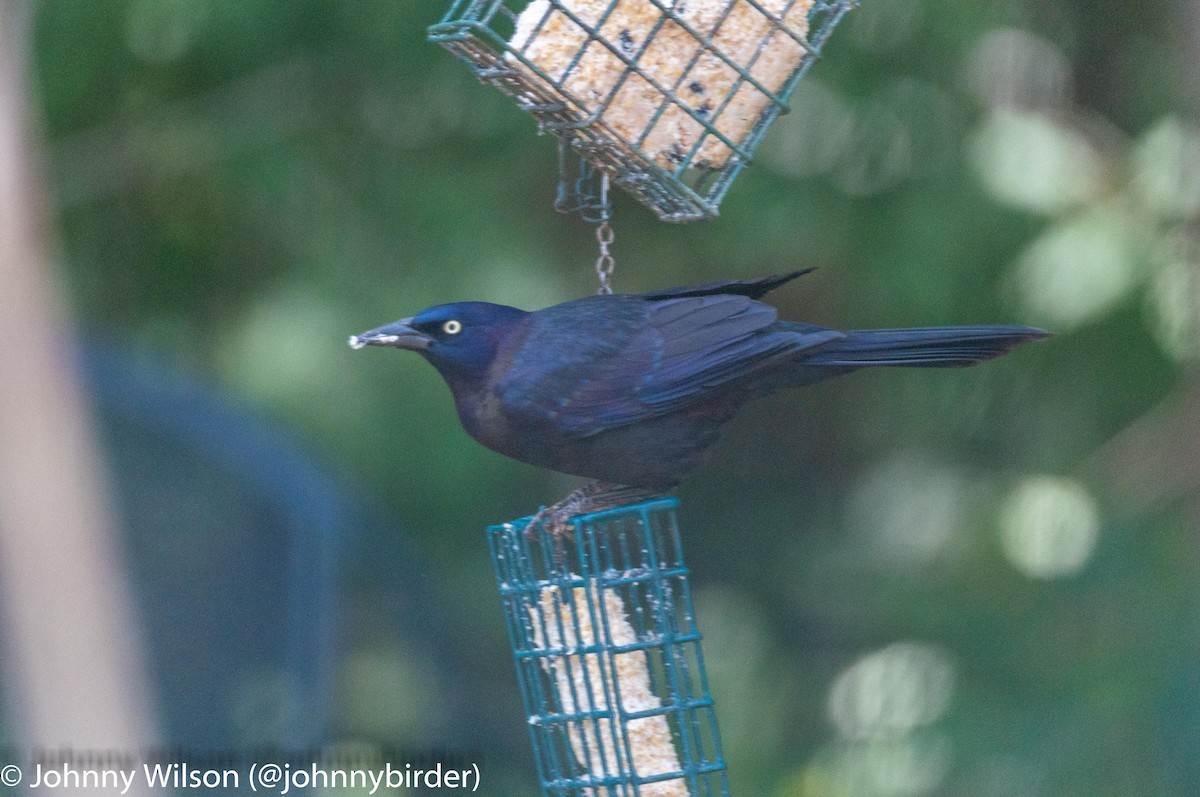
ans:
(1079, 268)
(1166, 168)
(909, 507)
(892, 691)
(902, 767)
(1030, 162)
(289, 352)
(1017, 68)
(1174, 299)
(1049, 526)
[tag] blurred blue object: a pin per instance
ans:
(231, 535)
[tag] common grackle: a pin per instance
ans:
(632, 390)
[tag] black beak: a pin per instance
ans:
(397, 335)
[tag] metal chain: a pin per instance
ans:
(605, 264)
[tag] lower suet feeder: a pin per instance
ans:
(668, 97)
(608, 655)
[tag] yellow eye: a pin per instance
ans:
(452, 327)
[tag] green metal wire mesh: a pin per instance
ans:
(608, 655)
(670, 97)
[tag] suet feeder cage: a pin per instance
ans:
(608, 655)
(668, 98)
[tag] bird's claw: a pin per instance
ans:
(556, 518)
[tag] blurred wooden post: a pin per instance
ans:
(73, 666)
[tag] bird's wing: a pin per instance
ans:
(602, 363)
(753, 288)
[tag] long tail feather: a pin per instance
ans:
(934, 347)
(753, 288)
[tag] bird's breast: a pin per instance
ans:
(481, 416)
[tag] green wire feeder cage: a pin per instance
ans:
(608, 655)
(668, 98)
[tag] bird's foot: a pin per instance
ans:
(595, 497)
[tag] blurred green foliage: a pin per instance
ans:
(897, 599)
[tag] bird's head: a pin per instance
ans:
(459, 339)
